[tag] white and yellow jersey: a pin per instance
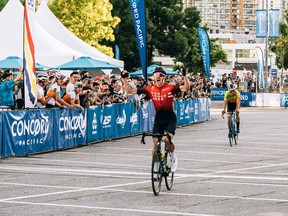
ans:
(50, 92)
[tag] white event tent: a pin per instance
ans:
(48, 50)
(50, 23)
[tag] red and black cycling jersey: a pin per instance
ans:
(162, 97)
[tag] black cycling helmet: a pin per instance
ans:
(159, 69)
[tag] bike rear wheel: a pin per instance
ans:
(156, 172)
(170, 175)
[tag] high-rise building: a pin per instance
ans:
(233, 15)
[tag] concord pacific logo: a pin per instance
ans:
(30, 127)
(71, 123)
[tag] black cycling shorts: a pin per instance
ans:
(231, 107)
(164, 123)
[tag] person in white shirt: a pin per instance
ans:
(57, 101)
(42, 80)
(74, 77)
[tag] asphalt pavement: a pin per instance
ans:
(113, 177)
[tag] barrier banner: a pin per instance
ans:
(146, 116)
(218, 93)
(182, 112)
(191, 111)
(122, 127)
(69, 128)
(27, 131)
(94, 129)
(208, 103)
(134, 118)
(196, 109)
(107, 121)
(284, 100)
(247, 98)
(1, 136)
(202, 109)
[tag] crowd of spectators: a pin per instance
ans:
(248, 83)
(81, 90)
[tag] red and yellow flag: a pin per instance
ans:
(30, 95)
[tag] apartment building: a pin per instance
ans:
(233, 15)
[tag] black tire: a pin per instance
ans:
(156, 177)
(236, 138)
(170, 176)
(230, 140)
(233, 131)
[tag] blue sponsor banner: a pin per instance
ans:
(182, 111)
(108, 119)
(70, 128)
(117, 52)
(122, 126)
(134, 118)
(202, 109)
(27, 131)
(196, 109)
(146, 116)
(218, 93)
(205, 50)
(274, 28)
(138, 11)
(246, 99)
(94, 127)
(191, 110)
(208, 105)
(261, 22)
(283, 100)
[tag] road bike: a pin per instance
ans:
(233, 135)
(161, 164)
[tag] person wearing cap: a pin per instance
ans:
(73, 96)
(7, 88)
(232, 103)
(57, 101)
(42, 80)
(162, 96)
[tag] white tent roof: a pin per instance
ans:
(48, 50)
(48, 21)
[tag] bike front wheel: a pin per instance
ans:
(156, 173)
(236, 138)
(170, 175)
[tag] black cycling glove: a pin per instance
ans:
(184, 71)
(124, 74)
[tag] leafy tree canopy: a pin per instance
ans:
(90, 20)
(280, 45)
(171, 31)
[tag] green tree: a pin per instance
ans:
(2, 4)
(170, 30)
(280, 47)
(90, 20)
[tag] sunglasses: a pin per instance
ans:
(76, 77)
(158, 74)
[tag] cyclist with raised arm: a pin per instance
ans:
(162, 96)
(232, 103)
